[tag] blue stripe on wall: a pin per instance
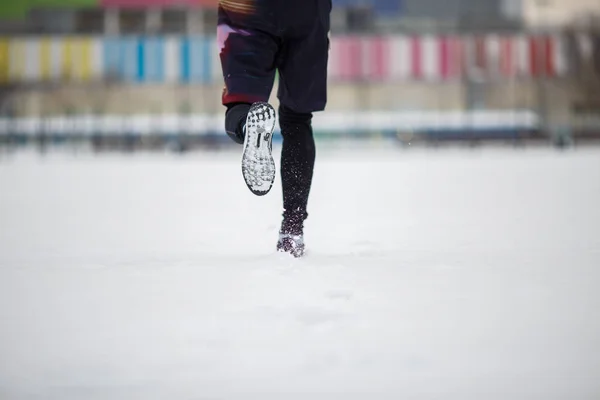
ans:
(141, 62)
(195, 49)
(158, 66)
(185, 60)
(206, 60)
(195, 59)
(154, 59)
(129, 58)
(111, 55)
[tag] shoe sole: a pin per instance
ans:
(258, 166)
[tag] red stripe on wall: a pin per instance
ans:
(355, 57)
(345, 57)
(506, 57)
(341, 58)
(445, 57)
(380, 57)
(481, 54)
(459, 64)
(549, 49)
(534, 56)
(416, 54)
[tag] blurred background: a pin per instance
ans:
(145, 74)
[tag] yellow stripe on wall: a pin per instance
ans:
(4, 60)
(67, 60)
(74, 58)
(45, 59)
(16, 65)
(77, 59)
(86, 59)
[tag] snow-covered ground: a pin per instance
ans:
(450, 274)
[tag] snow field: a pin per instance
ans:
(452, 274)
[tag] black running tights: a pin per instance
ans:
(297, 163)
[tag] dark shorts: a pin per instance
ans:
(257, 41)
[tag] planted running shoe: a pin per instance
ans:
(292, 244)
(291, 235)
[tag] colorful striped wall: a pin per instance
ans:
(195, 59)
(443, 58)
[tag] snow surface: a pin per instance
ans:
(449, 274)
